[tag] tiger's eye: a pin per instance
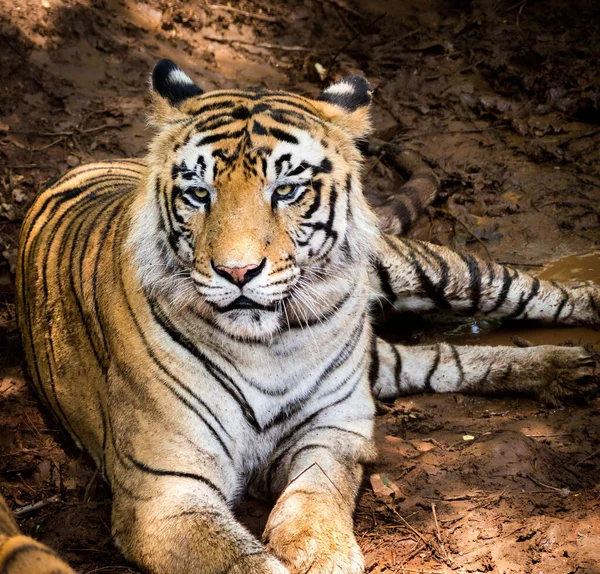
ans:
(284, 190)
(201, 193)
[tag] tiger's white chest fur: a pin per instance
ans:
(263, 390)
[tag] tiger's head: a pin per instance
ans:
(253, 213)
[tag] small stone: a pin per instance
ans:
(73, 161)
(19, 195)
(45, 4)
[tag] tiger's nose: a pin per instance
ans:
(239, 275)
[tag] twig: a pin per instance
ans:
(32, 426)
(517, 264)
(517, 5)
(519, 17)
(32, 490)
(258, 45)
(69, 133)
(414, 531)
(588, 457)
(29, 508)
(40, 148)
(466, 228)
(244, 13)
(439, 535)
(512, 532)
(90, 485)
(540, 483)
(326, 476)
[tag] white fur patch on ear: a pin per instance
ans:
(172, 83)
(350, 93)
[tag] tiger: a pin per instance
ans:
(22, 555)
(199, 322)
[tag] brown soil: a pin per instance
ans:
(502, 99)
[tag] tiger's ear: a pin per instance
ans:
(346, 104)
(171, 87)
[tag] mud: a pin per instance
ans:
(500, 97)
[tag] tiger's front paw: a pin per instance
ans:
(311, 534)
(569, 374)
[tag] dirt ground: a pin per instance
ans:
(501, 98)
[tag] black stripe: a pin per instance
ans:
(402, 213)
(72, 242)
(374, 363)
(384, 277)
(477, 386)
(563, 302)
(432, 291)
(436, 362)
(214, 138)
(219, 374)
(209, 107)
(474, 281)
(459, 366)
(397, 369)
(283, 135)
(505, 376)
(507, 280)
(325, 315)
(340, 429)
(525, 300)
(161, 472)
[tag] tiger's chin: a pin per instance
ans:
(250, 324)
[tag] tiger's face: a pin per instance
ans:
(257, 199)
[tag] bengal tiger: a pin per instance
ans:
(199, 322)
(22, 555)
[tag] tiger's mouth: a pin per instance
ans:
(243, 303)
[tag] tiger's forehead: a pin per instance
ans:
(244, 103)
(275, 130)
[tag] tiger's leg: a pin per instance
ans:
(550, 373)
(316, 473)
(180, 524)
(22, 555)
(422, 277)
(173, 484)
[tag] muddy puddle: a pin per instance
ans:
(581, 269)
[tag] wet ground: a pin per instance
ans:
(501, 98)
